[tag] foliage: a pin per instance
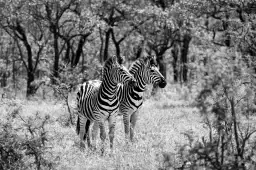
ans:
(227, 102)
(23, 140)
(49, 47)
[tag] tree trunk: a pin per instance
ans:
(105, 54)
(175, 55)
(82, 68)
(138, 53)
(184, 56)
(4, 79)
(118, 51)
(29, 67)
(30, 71)
(225, 24)
(117, 44)
(30, 88)
(56, 56)
(5, 74)
(68, 52)
(162, 65)
(79, 50)
(14, 74)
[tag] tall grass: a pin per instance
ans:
(164, 120)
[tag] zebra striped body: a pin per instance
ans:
(98, 101)
(145, 72)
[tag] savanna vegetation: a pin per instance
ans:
(204, 118)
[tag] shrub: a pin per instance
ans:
(227, 103)
(23, 141)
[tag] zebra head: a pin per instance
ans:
(152, 73)
(118, 72)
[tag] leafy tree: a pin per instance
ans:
(227, 102)
(58, 15)
(119, 20)
(27, 32)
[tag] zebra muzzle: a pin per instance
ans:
(162, 83)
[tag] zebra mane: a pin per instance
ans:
(108, 63)
(135, 66)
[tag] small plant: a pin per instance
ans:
(23, 142)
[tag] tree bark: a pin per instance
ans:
(162, 65)
(4, 76)
(116, 43)
(14, 74)
(105, 54)
(68, 52)
(30, 70)
(184, 56)
(56, 55)
(5, 73)
(101, 46)
(79, 50)
(175, 55)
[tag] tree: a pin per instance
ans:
(54, 11)
(71, 22)
(5, 60)
(15, 21)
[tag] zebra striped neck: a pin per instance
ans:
(140, 84)
(108, 87)
(136, 69)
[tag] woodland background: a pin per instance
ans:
(205, 48)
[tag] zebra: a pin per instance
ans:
(145, 71)
(98, 102)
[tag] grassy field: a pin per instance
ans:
(163, 121)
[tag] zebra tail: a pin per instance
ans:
(78, 125)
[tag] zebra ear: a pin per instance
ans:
(153, 60)
(147, 60)
(114, 59)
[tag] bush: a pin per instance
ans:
(227, 103)
(23, 141)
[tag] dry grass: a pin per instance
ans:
(163, 120)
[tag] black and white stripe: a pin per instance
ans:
(98, 101)
(145, 71)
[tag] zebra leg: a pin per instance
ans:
(126, 119)
(80, 129)
(102, 136)
(133, 120)
(87, 133)
(112, 124)
(95, 129)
